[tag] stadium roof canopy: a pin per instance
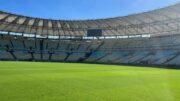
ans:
(157, 22)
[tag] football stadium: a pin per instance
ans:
(127, 58)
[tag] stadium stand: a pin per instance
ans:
(150, 38)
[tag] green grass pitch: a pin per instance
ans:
(31, 81)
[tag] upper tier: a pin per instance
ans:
(157, 22)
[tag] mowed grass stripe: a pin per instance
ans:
(36, 81)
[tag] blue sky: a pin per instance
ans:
(81, 9)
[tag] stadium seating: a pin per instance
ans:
(149, 51)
